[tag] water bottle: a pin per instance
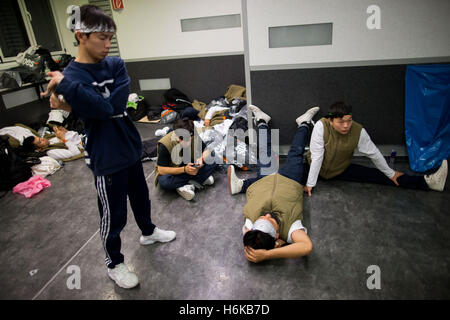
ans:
(392, 159)
(47, 68)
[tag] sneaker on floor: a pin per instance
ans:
(187, 191)
(234, 183)
(436, 181)
(123, 277)
(162, 132)
(259, 115)
(158, 235)
(209, 181)
(307, 116)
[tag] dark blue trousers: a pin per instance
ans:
(190, 113)
(293, 168)
(112, 192)
(173, 181)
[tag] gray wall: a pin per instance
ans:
(28, 114)
(375, 92)
(202, 78)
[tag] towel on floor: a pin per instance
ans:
(32, 186)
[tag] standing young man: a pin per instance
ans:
(337, 136)
(96, 88)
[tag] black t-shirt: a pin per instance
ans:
(163, 156)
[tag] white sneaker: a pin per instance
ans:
(234, 183)
(187, 191)
(209, 181)
(436, 181)
(158, 235)
(123, 277)
(307, 116)
(259, 115)
(162, 132)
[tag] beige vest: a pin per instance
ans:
(339, 149)
(275, 193)
(235, 91)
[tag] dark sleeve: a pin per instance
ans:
(89, 103)
(163, 156)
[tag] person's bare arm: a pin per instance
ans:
(189, 169)
(301, 246)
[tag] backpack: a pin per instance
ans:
(168, 116)
(13, 169)
(176, 99)
(137, 109)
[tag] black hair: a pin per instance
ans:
(28, 144)
(258, 240)
(338, 110)
(91, 16)
(186, 124)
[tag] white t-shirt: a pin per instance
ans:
(17, 132)
(365, 146)
(73, 141)
(297, 225)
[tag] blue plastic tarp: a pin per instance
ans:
(427, 115)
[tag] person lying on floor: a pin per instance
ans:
(333, 141)
(273, 212)
(62, 145)
(188, 173)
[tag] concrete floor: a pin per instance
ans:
(352, 226)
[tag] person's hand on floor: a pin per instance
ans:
(396, 175)
(308, 190)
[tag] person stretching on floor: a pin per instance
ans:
(273, 211)
(337, 136)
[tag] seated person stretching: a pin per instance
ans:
(337, 136)
(273, 212)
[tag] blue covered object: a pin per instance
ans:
(427, 115)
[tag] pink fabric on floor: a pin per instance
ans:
(32, 186)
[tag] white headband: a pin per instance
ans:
(74, 22)
(266, 227)
(98, 28)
